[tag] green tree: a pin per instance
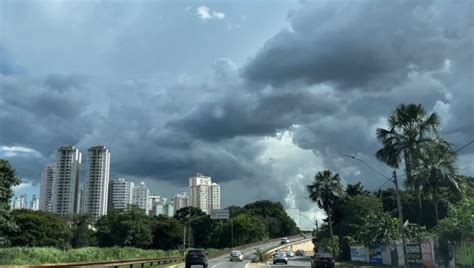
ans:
(8, 179)
(40, 229)
(83, 234)
(124, 228)
(276, 220)
(457, 227)
(202, 227)
(435, 170)
(326, 190)
(353, 190)
(410, 127)
(183, 214)
(354, 212)
(167, 233)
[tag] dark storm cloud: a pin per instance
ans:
(330, 79)
(363, 44)
(258, 113)
(35, 115)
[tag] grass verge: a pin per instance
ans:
(41, 255)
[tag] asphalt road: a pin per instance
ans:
(223, 261)
(294, 262)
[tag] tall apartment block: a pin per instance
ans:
(34, 204)
(203, 193)
(121, 193)
(46, 190)
(180, 201)
(97, 182)
(20, 202)
(140, 196)
(66, 181)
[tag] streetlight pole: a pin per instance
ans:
(394, 180)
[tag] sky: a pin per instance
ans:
(259, 95)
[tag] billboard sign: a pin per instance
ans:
(220, 214)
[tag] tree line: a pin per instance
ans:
(434, 191)
(133, 228)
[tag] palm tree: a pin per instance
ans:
(326, 189)
(436, 169)
(410, 128)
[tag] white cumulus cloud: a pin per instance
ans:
(205, 13)
(18, 151)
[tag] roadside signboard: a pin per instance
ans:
(375, 253)
(359, 253)
(220, 214)
(414, 253)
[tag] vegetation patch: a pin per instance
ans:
(41, 255)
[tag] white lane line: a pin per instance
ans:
(215, 265)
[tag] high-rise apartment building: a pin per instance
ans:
(46, 189)
(155, 205)
(140, 196)
(34, 204)
(180, 201)
(203, 193)
(121, 193)
(20, 202)
(66, 181)
(97, 182)
(168, 209)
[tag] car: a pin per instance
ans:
(236, 255)
(280, 257)
(196, 257)
(290, 254)
(285, 240)
(299, 252)
(322, 260)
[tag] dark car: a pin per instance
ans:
(299, 252)
(196, 257)
(322, 260)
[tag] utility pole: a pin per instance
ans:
(184, 238)
(232, 231)
(400, 216)
(189, 230)
(394, 180)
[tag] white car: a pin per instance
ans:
(290, 254)
(280, 257)
(236, 255)
(285, 240)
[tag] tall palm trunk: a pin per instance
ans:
(409, 171)
(435, 204)
(331, 233)
(420, 208)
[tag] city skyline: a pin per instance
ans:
(62, 193)
(250, 97)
